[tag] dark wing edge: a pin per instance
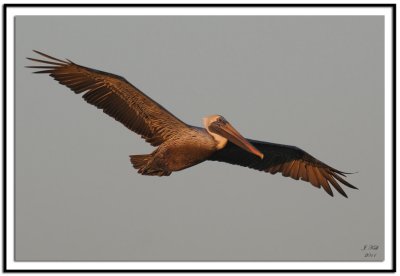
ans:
(288, 160)
(115, 96)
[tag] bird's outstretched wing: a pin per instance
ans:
(115, 96)
(288, 160)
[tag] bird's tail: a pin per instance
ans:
(140, 161)
(144, 165)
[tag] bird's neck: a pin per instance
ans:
(221, 141)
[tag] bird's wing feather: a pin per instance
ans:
(288, 160)
(116, 97)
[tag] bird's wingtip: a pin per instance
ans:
(350, 172)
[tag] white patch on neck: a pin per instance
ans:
(221, 141)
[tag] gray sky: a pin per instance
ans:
(313, 82)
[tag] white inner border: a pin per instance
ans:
(15, 11)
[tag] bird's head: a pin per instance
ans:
(222, 132)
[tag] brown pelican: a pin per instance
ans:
(180, 146)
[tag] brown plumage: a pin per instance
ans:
(117, 97)
(180, 145)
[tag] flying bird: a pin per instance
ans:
(179, 145)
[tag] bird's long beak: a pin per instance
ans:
(229, 132)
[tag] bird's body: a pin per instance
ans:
(186, 149)
(179, 145)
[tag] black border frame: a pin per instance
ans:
(5, 269)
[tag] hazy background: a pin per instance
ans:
(314, 82)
